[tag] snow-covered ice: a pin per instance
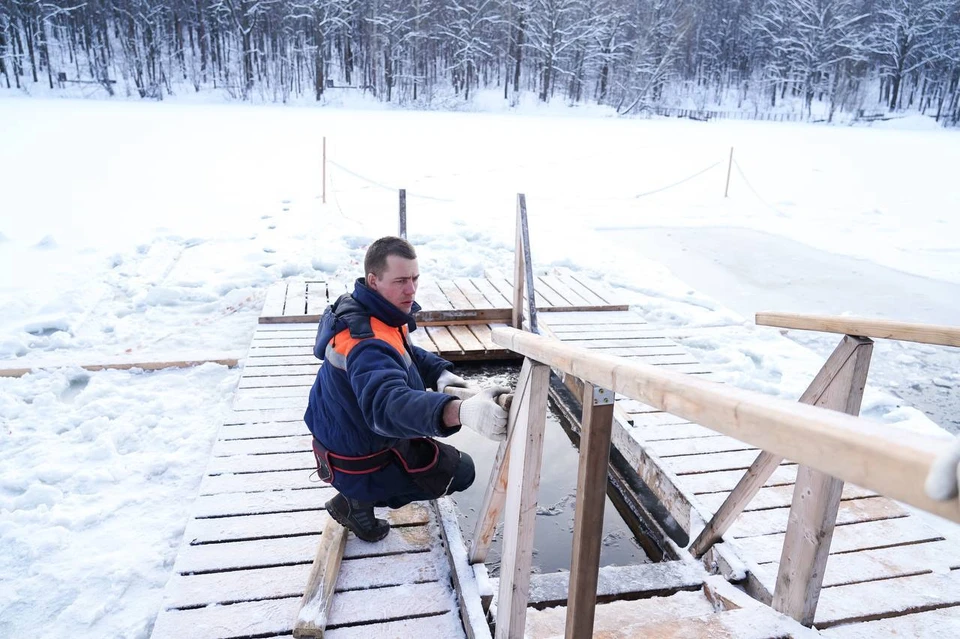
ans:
(151, 231)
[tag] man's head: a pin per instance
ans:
(391, 270)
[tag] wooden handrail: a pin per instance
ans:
(941, 335)
(891, 461)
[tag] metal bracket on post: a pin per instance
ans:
(602, 396)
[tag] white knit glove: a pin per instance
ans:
(482, 413)
(449, 379)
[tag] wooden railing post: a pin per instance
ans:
(595, 433)
(816, 500)
(526, 452)
(402, 231)
(766, 463)
(523, 271)
(493, 499)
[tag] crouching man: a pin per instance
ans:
(372, 419)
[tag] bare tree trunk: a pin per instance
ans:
(3, 55)
(519, 56)
(28, 25)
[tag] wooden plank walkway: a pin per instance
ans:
(886, 563)
(456, 321)
(474, 300)
(248, 550)
(257, 521)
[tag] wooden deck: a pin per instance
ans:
(248, 550)
(890, 573)
(455, 322)
(473, 300)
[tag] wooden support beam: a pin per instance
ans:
(747, 488)
(886, 329)
(766, 463)
(118, 365)
(311, 619)
(526, 452)
(890, 460)
(494, 497)
(402, 231)
(595, 431)
(816, 499)
(472, 614)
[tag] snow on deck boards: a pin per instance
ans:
(879, 549)
(247, 553)
(478, 300)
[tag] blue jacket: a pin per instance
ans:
(371, 389)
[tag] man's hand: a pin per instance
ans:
(482, 413)
(449, 379)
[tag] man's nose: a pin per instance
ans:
(410, 288)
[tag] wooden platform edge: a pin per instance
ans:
(472, 615)
(230, 362)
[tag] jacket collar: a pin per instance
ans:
(380, 308)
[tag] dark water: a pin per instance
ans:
(553, 538)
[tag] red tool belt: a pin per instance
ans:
(431, 465)
(329, 463)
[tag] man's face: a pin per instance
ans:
(399, 282)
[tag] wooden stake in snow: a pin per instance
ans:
(726, 189)
(315, 606)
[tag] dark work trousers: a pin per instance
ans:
(462, 479)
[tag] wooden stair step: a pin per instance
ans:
(615, 582)
(616, 614)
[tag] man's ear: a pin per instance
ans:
(372, 281)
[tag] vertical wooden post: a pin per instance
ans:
(527, 262)
(816, 499)
(726, 190)
(595, 433)
(324, 169)
(526, 453)
(403, 213)
(766, 463)
(518, 276)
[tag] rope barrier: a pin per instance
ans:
(336, 200)
(686, 179)
(754, 191)
(384, 186)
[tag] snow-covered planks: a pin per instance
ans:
(718, 610)
(619, 582)
(247, 553)
(444, 302)
(296, 300)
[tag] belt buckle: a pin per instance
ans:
(324, 471)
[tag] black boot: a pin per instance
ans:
(358, 517)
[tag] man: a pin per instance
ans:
(372, 419)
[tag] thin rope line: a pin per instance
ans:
(336, 200)
(384, 186)
(686, 179)
(754, 191)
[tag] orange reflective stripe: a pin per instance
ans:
(344, 343)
